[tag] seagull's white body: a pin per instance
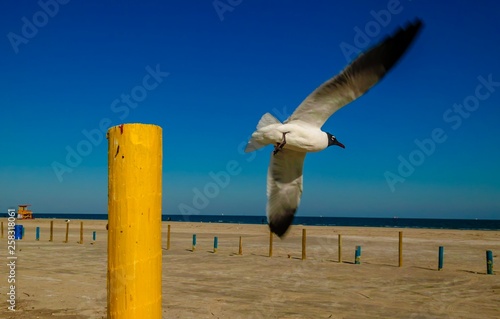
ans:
(300, 136)
(301, 133)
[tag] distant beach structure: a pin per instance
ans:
(23, 212)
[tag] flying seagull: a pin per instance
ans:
(301, 132)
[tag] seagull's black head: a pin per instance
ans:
(332, 140)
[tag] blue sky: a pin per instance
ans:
(206, 71)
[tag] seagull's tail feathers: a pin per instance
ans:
(266, 120)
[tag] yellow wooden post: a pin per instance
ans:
(168, 237)
(400, 249)
(303, 244)
(340, 248)
(81, 233)
(240, 249)
(67, 232)
(134, 212)
(270, 244)
(51, 230)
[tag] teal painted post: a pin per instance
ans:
(441, 257)
(93, 236)
(22, 231)
(216, 243)
(489, 262)
(357, 255)
(38, 233)
(194, 242)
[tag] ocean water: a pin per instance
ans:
(476, 224)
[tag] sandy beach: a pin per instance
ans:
(68, 280)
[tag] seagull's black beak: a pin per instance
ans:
(335, 142)
(332, 140)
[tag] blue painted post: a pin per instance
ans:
(17, 232)
(216, 243)
(441, 257)
(93, 236)
(38, 233)
(357, 255)
(489, 262)
(22, 231)
(194, 242)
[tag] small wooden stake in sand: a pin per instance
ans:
(400, 249)
(303, 244)
(37, 233)
(270, 244)
(168, 237)
(340, 248)
(67, 232)
(134, 211)
(81, 233)
(51, 230)
(240, 249)
(193, 246)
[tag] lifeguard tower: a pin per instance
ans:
(23, 212)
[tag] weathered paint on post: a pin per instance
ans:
(441, 257)
(37, 236)
(134, 232)
(489, 262)
(194, 243)
(303, 244)
(93, 235)
(216, 244)
(357, 255)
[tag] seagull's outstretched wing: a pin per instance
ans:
(357, 78)
(284, 188)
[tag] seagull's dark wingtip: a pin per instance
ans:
(396, 45)
(280, 226)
